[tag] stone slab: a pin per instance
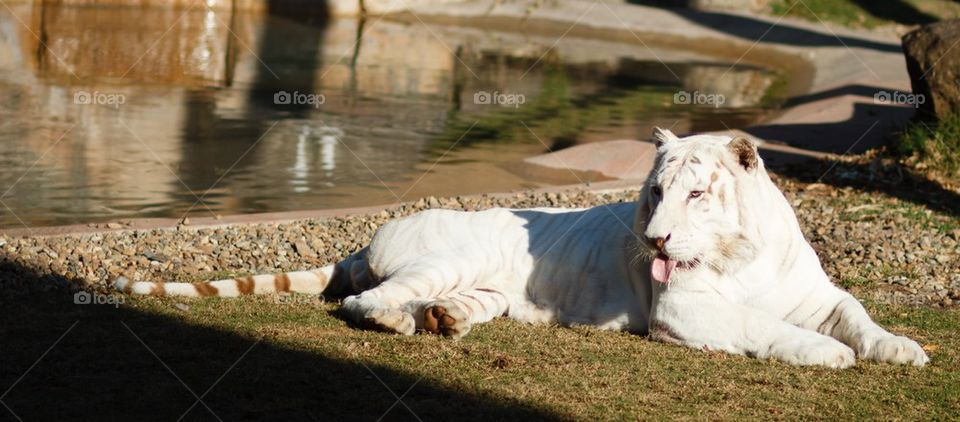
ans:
(620, 159)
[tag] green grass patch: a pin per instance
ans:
(933, 145)
(838, 11)
(868, 14)
(851, 282)
(291, 360)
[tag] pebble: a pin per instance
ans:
(304, 249)
(905, 254)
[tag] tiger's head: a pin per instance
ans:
(698, 203)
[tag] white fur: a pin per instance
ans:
(752, 285)
(308, 282)
(748, 282)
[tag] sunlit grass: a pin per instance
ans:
(589, 374)
(933, 145)
(868, 14)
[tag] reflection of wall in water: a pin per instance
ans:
(199, 130)
(392, 59)
(576, 78)
(200, 98)
(146, 56)
(382, 98)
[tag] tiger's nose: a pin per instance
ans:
(661, 242)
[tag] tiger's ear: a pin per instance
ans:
(663, 136)
(745, 152)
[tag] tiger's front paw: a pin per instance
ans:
(446, 318)
(822, 352)
(897, 349)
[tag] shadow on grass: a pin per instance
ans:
(867, 127)
(63, 361)
(871, 125)
(771, 31)
(892, 180)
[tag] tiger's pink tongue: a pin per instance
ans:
(661, 268)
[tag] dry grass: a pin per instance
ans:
(291, 358)
(503, 368)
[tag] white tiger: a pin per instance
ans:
(715, 260)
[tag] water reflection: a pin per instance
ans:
(200, 128)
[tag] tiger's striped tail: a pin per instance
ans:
(311, 282)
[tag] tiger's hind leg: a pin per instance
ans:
(370, 311)
(383, 308)
(454, 315)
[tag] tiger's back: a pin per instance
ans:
(553, 265)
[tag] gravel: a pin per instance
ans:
(876, 245)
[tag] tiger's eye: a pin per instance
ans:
(696, 194)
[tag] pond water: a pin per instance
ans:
(150, 112)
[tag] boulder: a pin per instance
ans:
(934, 66)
